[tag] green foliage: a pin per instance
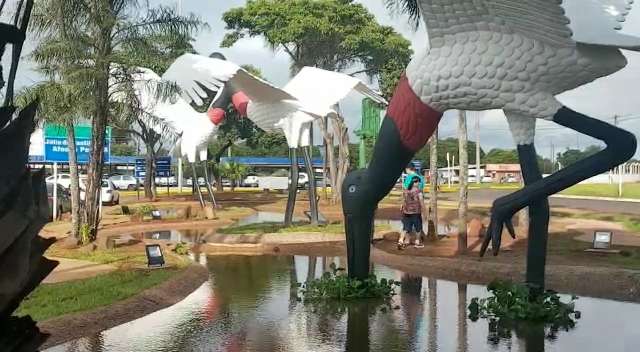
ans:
(512, 303)
(85, 233)
(571, 156)
(330, 34)
(451, 146)
(336, 285)
(122, 149)
(501, 156)
(145, 210)
(233, 171)
(53, 300)
(181, 248)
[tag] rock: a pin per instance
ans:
(209, 212)
(475, 228)
(391, 236)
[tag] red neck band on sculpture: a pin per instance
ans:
(414, 119)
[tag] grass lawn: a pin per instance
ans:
(566, 246)
(124, 258)
(277, 227)
(53, 300)
(629, 190)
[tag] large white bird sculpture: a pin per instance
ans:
(513, 55)
(310, 95)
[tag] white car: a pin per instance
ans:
(303, 180)
(250, 181)
(512, 179)
(125, 182)
(64, 180)
(486, 179)
(109, 193)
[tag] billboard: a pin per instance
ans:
(56, 148)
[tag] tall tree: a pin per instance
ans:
(432, 234)
(85, 38)
(336, 35)
(62, 103)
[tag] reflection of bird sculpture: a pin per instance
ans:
(292, 109)
(498, 54)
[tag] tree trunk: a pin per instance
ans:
(75, 183)
(433, 190)
(342, 166)
(330, 159)
(464, 173)
(94, 172)
(149, 176)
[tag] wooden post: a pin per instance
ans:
(464, 173)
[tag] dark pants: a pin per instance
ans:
(412, 222)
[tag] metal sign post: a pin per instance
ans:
(55, 191)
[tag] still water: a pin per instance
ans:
(248, 305)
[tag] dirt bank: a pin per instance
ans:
(74, 326)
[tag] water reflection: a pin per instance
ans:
(249, 305)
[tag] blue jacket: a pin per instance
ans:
(407, 181)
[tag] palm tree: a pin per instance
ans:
(82, 39)
(234, 172)
(61, 103)
(433, 189)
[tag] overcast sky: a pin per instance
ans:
(614, 95)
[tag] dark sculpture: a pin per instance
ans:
(24, 207)
(480, 58)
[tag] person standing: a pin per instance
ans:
(412, 211)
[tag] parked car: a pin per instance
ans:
(200, 181)
(303, 180)
(125, 182)
(63, 200)
(486, 179)
(109, 192)
(250, 181)
(511, 179)
(63, 179)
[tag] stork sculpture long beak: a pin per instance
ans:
(227, 95)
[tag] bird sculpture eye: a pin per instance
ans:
(352, 189)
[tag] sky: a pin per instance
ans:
(613, 95)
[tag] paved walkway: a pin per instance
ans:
(72, 269)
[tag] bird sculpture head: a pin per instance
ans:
(226, 95)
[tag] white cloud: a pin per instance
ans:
(603, 98)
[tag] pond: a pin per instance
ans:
(248, 305)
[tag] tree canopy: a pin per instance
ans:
(336, 35)
(571, 156)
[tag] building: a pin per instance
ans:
(504, 172)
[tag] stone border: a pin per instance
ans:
(609, 199)
(76, 325)
(599, 282)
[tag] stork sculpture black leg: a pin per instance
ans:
(538, 219)
(293, 187)
(406, 128)
(621, 145)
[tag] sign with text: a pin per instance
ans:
(56, 148)
(163, 167)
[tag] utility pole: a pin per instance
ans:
(477, 148)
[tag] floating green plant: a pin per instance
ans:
(335, 285)
(517, 307)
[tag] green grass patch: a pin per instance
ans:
(629, 190)
(277, 227)
(630, 222)
(565, 245)
(108, 256)
(53, 300)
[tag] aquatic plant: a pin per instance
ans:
(335, 285)
(518, 306)
(145, 210)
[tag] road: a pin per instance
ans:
(486, 196)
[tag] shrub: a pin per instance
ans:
(181, 248)
(144, 210)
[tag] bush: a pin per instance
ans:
(517, 305)
(335, 285)
(181, 248)
(144, 210)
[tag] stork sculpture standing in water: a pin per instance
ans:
(497, 54)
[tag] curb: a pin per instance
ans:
(609, 199)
